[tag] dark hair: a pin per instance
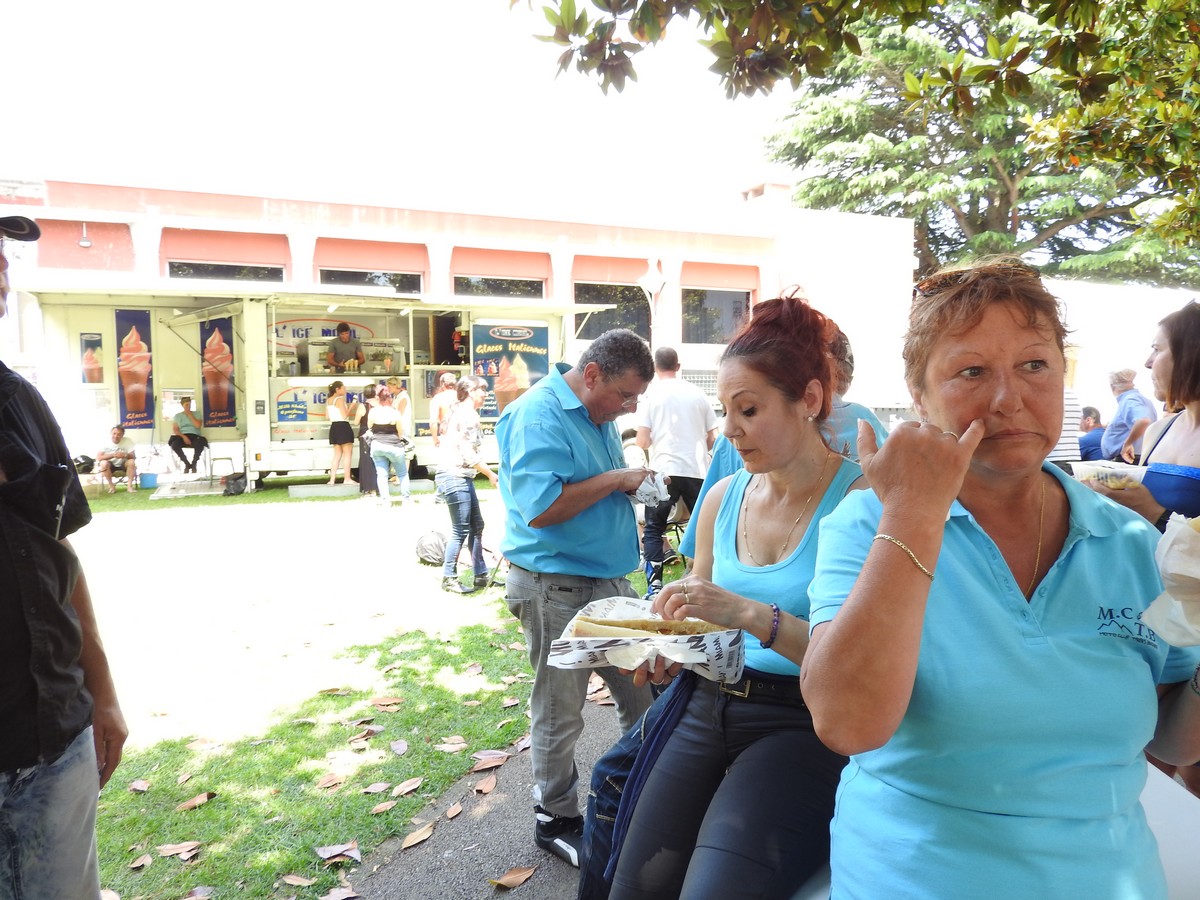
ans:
(119, 427)
(468, 383)
(342, 326)
(369, 392)
(955, 299)
(666, 359)
(787, 342)
(1090, 412)
(333, 388)
(383, 395)
(618, 351)
(1183, 338)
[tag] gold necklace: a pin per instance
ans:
(1037, 562)
(787, 540)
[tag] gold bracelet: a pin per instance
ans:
(903, 546)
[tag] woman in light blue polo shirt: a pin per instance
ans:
(976, 644)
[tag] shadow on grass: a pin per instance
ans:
(270, 812)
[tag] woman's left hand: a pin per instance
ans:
(1135, 497)
(658, 671)
(694, 597)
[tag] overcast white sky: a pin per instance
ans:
(421, 103)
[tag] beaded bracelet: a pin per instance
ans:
(903, 546)
(766, 645)
(1194, 684)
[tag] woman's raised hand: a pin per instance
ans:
(920, 465)
(696, 598)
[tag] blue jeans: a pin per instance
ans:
(48, 827)
(466, 522)
(545, 603)
(385, 455)
(738, 804)
(659, 515)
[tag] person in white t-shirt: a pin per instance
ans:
(115, 459)
(677, 425)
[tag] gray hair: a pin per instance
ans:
(618, 351)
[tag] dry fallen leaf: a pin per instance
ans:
(341, 893)
(203, 744)
(523, 743)
(514, 877)
(141, 862)
(140, 786)
(332, 780)
(298, 880)
(337, 692)
(198, 800)
(451, 745)
(472, 703)
(201, 891)
(415, 837)
(386, 701)
(509, 702)
(489, 762)
(516, 645)
(474, 669)
(510, 679)
(407, 787)
(336, 850)
(377, 788)
(383, 807)
(185, 777)
(177, 849)
(486, 786)
(504, 722)
(454, 811)
(399, 747)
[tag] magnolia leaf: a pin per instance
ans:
(177, 849)
(298, 880)
(141, 862)
(474, 669)
(399, 747)
(508, 702)
(415, 837)
(383, 807)
(453, 810)
(516, 645)
(486, 786)
(140, 786)
(376, 788)
(334, 850)
(450, 748)
(514, 877)
(331, 780)
(185, 777)
(199, 800)
(363, 720)
(386, 701)
(341, 893)
(407, 787)
(504, 722)
(523, 743)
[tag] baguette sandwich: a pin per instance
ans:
(587, 626)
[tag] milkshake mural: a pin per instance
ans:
(136, 389)
(512, 357)
(216, 371)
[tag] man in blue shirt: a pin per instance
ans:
(1092, 433)
(1122, 438)
(570, 538)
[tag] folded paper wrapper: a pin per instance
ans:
(717, 655)
(1175, 613)
(652, 491)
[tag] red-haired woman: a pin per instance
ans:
(739, 799)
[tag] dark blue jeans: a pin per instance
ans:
(738, 803)
(657, 517)
(466, 522)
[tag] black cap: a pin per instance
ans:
(19, 228)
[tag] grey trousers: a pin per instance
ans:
(545, 603)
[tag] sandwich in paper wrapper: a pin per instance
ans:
(1175, 613)
(620, 631)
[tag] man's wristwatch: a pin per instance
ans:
(1161, 524)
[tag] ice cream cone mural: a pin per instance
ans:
(217, 372)
(134, 369)
(513, 355)
(91, 358)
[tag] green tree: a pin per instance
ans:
(1127, 69)
(968, 180)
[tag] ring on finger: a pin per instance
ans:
(686, 596)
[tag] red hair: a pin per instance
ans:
(787, 342)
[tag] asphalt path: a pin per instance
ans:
(218, 620)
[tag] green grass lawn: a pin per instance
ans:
(270, 810)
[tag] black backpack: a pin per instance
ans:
(235, 484)
(84, 465)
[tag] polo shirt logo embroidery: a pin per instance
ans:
(1125, 623)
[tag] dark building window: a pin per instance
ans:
(470, 286)
(631, 310)
(224, 271)
(711, 317)
(401, 282)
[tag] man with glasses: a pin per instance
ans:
(570, 538)
(61, 728)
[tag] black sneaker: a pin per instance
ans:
(561, 835)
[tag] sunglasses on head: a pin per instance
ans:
(939, 281)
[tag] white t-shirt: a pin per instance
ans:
(124, 444)
(679, 417)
